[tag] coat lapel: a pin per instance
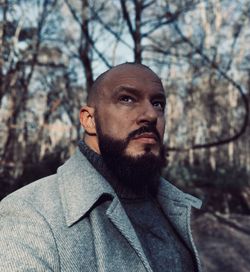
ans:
(177, 213)
(119, 218)
(116, 244)
(177, 207)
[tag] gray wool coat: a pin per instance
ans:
(59, 224)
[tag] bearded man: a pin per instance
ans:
(107, 208)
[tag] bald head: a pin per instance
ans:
(122, 100)
(99, 84)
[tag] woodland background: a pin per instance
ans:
(52, 50)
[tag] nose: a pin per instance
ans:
(147, 114)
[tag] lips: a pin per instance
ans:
(147, 137)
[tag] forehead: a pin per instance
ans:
(134, 76)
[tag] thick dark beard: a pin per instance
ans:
(134, 173)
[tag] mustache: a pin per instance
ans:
(150, 128)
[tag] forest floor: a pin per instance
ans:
(223, 242)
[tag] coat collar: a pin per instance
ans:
(171, 193)
(81, 186)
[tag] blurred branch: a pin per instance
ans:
(136, 31)
(230, 222)
(215, 66)
(86, 42)
(109, 29)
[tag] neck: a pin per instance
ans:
(92, 142)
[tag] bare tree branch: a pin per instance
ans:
(109, 29)
(215, 66)
(86, 42)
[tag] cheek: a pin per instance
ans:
(115, 125)
(161, 127)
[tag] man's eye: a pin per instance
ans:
(126, 99)
(159, 105)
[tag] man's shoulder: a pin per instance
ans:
(71, 192)
(38, 194)
(36, 186)
(44, 188)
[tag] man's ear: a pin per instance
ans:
(87, 120)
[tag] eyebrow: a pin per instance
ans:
(127, 89)
(137, 92)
